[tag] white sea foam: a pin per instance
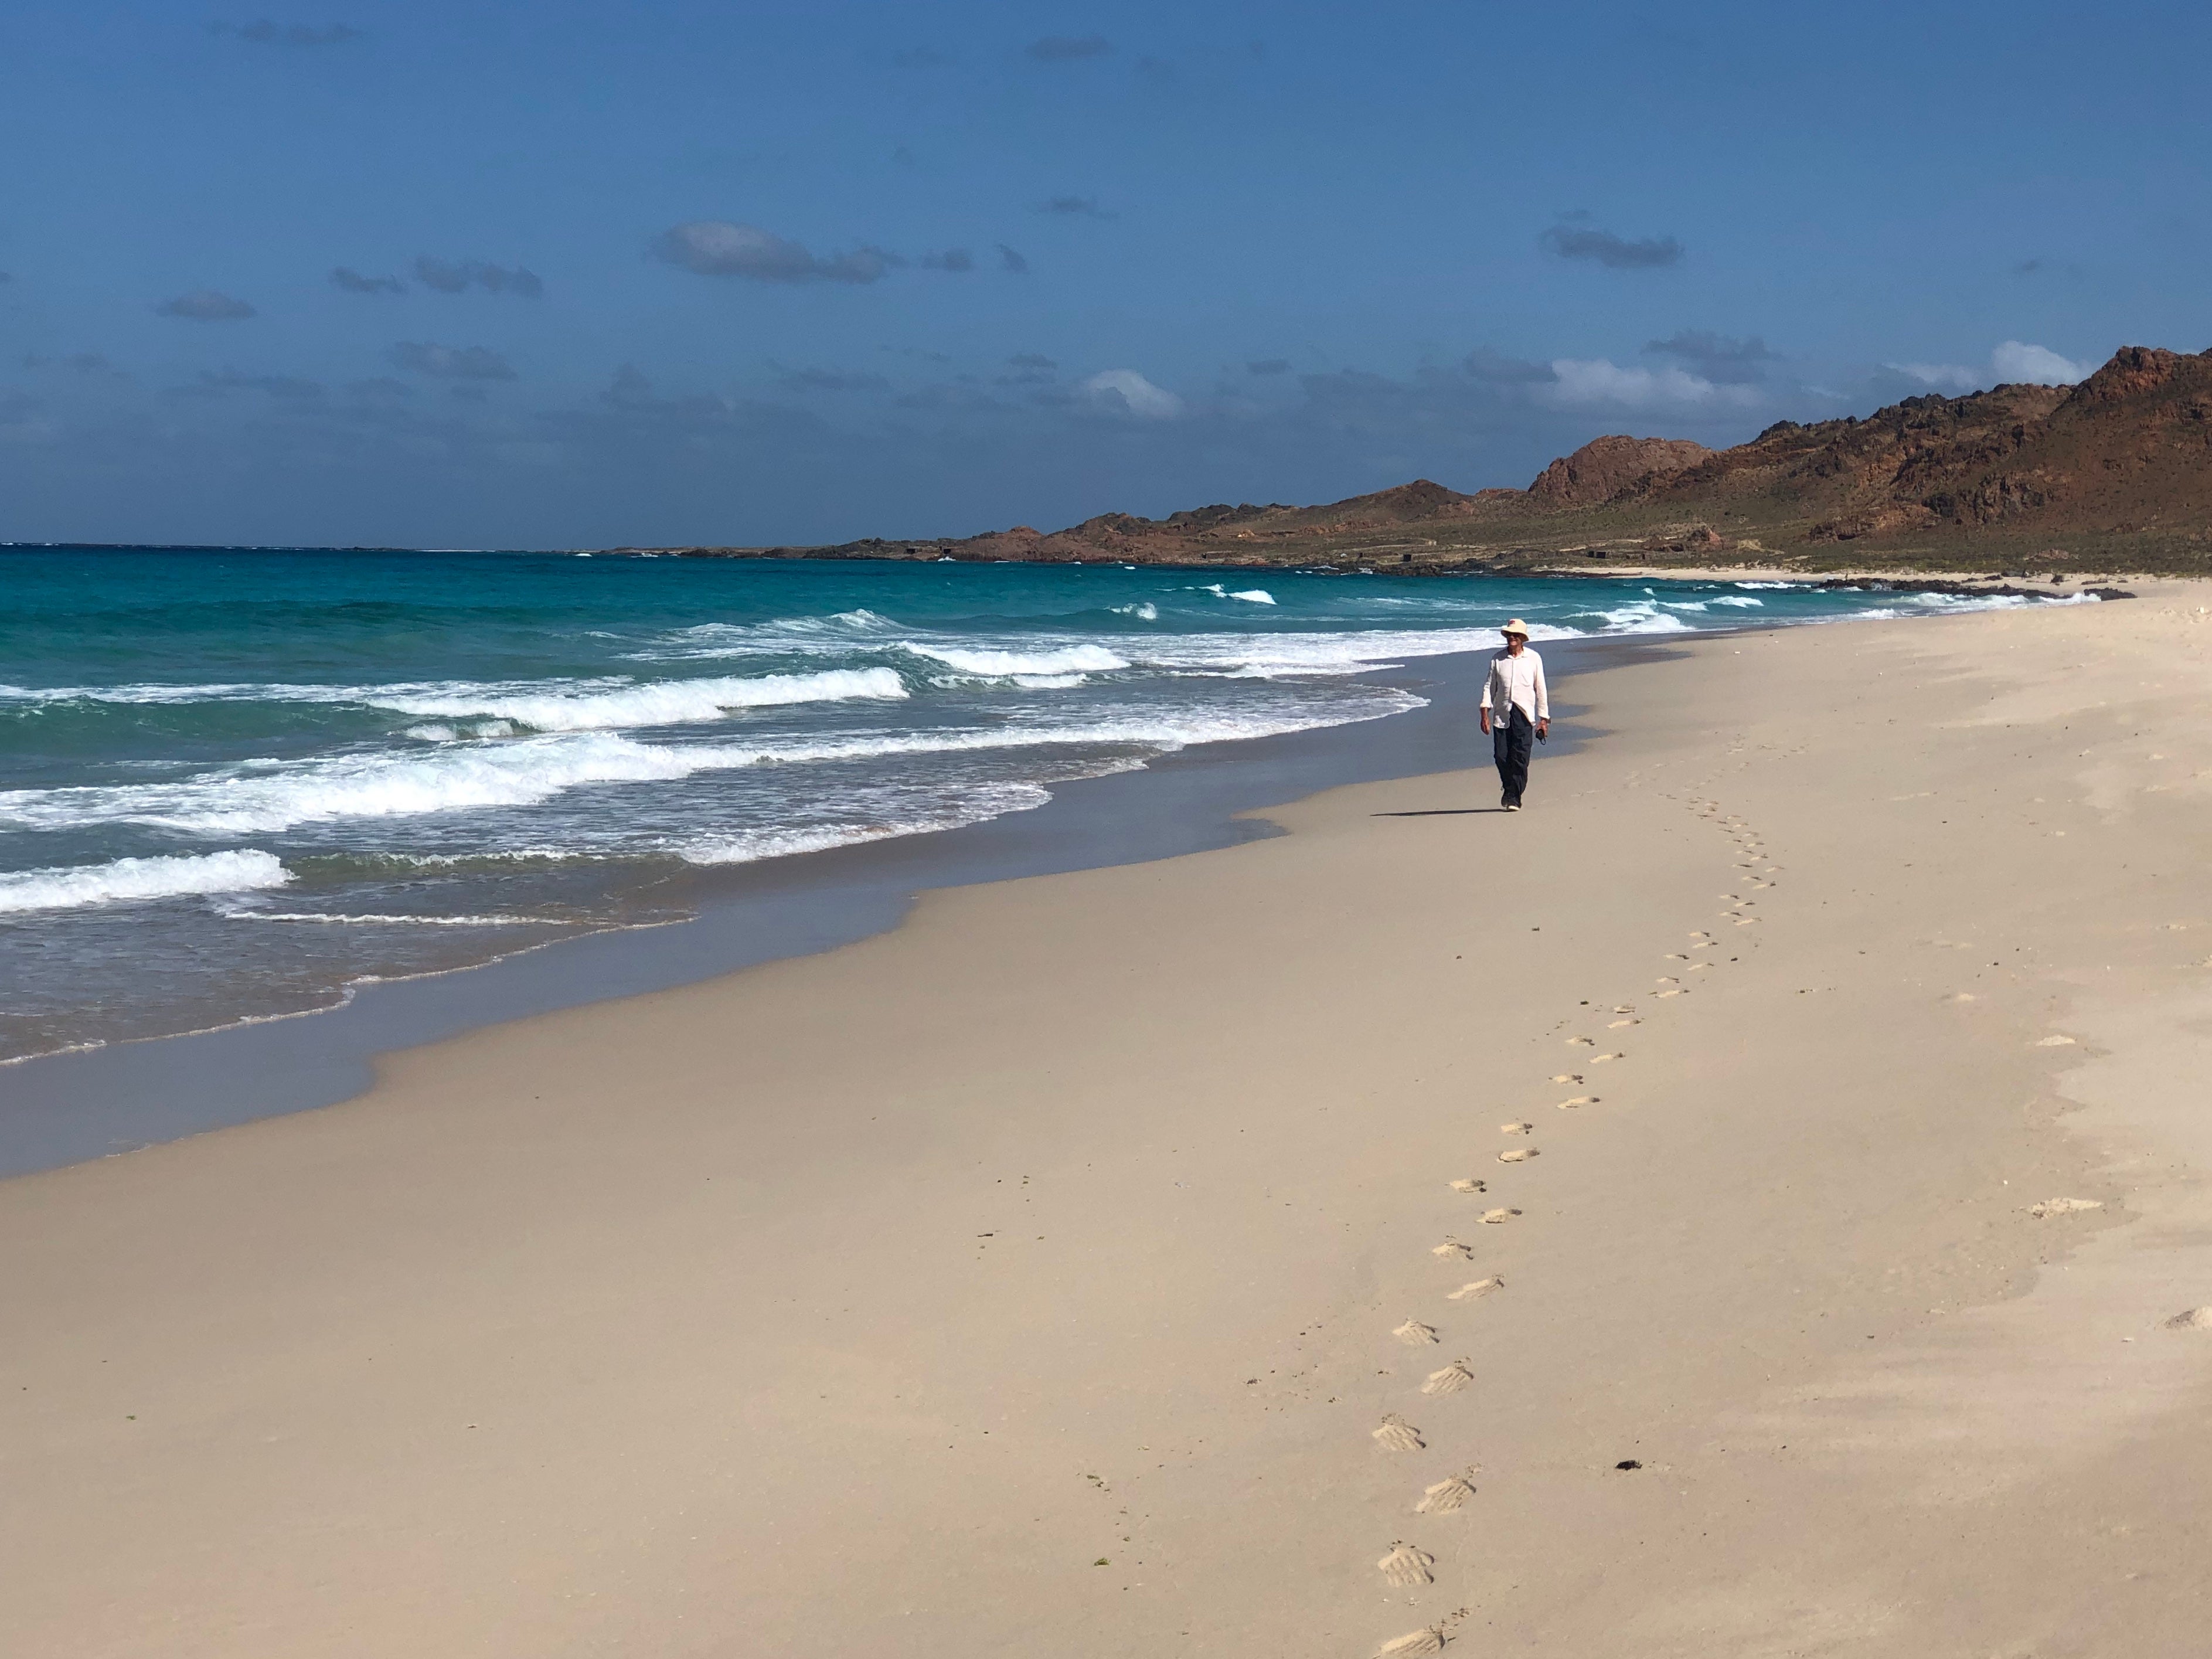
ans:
(1287, 653)
(543, 705)
(1144, 611)
(374, 920)
(75, 887)
(784, 637)
(1006, 665)
(749, 846)
(1738, 599)
(1349, 651)
(265, 796)
(262, 796)
(1250, 595)
(157, 694)
(662, 702)
(1642, 617)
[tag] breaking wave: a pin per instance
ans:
(1008, 665)
(666, 702)
(543, 706)
(266, 797)
(74, 887)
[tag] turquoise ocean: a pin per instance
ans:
(233, 783)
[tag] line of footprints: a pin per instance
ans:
(1408, 1565)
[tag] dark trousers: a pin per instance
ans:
(1512, 740)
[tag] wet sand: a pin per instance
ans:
(1097, 1262)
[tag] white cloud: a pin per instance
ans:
(2015, 361)
(452, 362)
(715, 247)
(1127, 392)
(1581, 382)
(1955, 377)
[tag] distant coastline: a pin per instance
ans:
(2022, 481)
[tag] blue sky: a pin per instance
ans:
(749, 273)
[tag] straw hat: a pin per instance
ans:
(1516, 626)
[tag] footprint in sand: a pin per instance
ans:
(1405, 1566)
(2197, 1319)
(1674, 992)
(1431, 1640)
(1398, 1435)
(2052, 1206)
(1615, 1025)
(2056, 1042)
(1600, 1059)
(1448, 1495)
(1414, 1334)
(1495, 1217)
(1452, 1247)
(1478, 1289)
(1469, 1184)
(1567, 1077)
(1515, 1128)
(1624, 1008)
(1518, 1155)
(1458, 1374)
(1581, 1042)
(1579, 1100)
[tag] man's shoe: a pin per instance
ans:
(1512, 805)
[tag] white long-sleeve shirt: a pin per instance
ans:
(1516, 682)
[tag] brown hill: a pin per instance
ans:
(2113, 473)
(1604, 467)
(2122, 454)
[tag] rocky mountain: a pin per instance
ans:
(1604, 467)
(2113, 473)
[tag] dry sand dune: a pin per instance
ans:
(1061, 1273)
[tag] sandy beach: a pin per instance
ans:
(1740, 1206)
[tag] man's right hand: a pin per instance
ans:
(1486, 722)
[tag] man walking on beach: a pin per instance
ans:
(1517, 710)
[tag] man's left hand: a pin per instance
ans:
(1543, 728)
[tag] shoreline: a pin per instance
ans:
(158, 1089)
(1076, 1263)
